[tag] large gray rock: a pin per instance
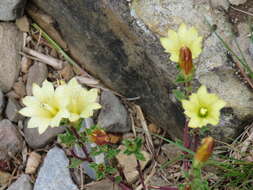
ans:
(36, 140)
(54, 173)
(36, 74)
(11, 40)
(11, 9)
(10, 140)
(122, 48)
(113, 116)
(22, 183)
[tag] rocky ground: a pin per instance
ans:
(32, 161)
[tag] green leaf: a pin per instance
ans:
(180, 95)
(67, 138)
(139, 156)
(93, 165)
(75, 163)
(180, 78)
(117, 179)
(110, 170)
(112, 153)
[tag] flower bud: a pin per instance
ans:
(204, 151)
(185, 60)
(99, 137)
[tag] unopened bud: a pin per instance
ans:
(99, 137)
(185, 60)
(204, 151)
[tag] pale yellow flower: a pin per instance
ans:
(184, 38)
(81, 102)
(203, 108)
(46, 107)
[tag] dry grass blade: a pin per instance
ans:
(55, 63)
(247, 142)
(144, 125)
(133, 125)
(242, 11)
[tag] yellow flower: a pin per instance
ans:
(203, 108)
(81, 102)
(46, 107)
(184, 38)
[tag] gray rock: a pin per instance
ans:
(10, 139)
(103, 184)
(237, 2)
(11, 40)
(23, 24)
(36, 74)
(12, 109)
(251, 50)
(19, 88)
(113, 115)
(36, 140)
(22, 183)
(11, 9)
(54, 173)
(224, 4)
(2, 101)
(243, 41)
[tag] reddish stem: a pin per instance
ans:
(140, 174)
(74, 131)
(186, 145)
(121, 184)
(163, 188)
(78, 157)
(196, 140)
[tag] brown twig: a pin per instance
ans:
(55, 63)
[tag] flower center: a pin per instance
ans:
(53, 111)
(203, 112)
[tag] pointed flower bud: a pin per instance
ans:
(204, 151)
(185, 60)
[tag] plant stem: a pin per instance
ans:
(140, 174)
(121, 184)
(196, 139)
(186, 145)
(74, 131)
(78, 157)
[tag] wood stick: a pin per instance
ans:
(55, 63)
